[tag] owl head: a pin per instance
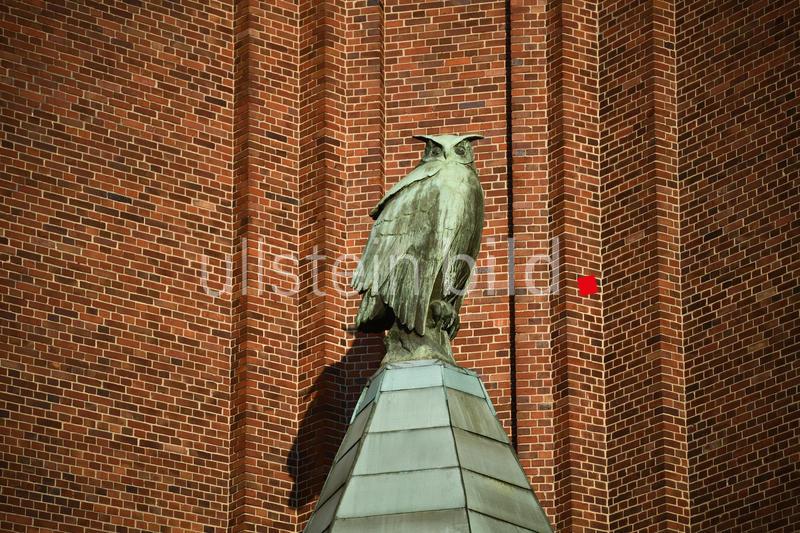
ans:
(456, 148)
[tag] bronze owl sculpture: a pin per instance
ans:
(419, 257)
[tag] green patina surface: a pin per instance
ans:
(425, 453)
(421, 250)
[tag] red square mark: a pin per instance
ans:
(587, 285)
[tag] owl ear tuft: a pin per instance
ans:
(472, 137)
(430, 141)
(426, 139)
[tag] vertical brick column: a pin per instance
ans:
(674, 505)
(534, 274)
(339, 360)
(279, 180)
(633, 244)
(313, 150)
(581, 398)
(305, 459)
(647, 462)
(562, 495)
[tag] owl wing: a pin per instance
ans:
(417, 229)
(467, 241)
(420, 172)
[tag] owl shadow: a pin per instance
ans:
(335, 393)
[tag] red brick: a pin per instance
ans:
(652, 143)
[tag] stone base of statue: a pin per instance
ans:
(403, 345)
(425, 453)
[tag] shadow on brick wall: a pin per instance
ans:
(335, 393)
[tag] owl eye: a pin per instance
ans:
(460, 150)
(436, 151)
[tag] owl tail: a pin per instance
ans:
(373, 315)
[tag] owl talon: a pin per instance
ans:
(445, 317)
(454, 326)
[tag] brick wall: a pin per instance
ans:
(648, 487)
(186, 185)
(116, 184)
(739, 76)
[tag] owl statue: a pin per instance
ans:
(419, 257)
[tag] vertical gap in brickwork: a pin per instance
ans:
(512, 322)
(237, 498)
